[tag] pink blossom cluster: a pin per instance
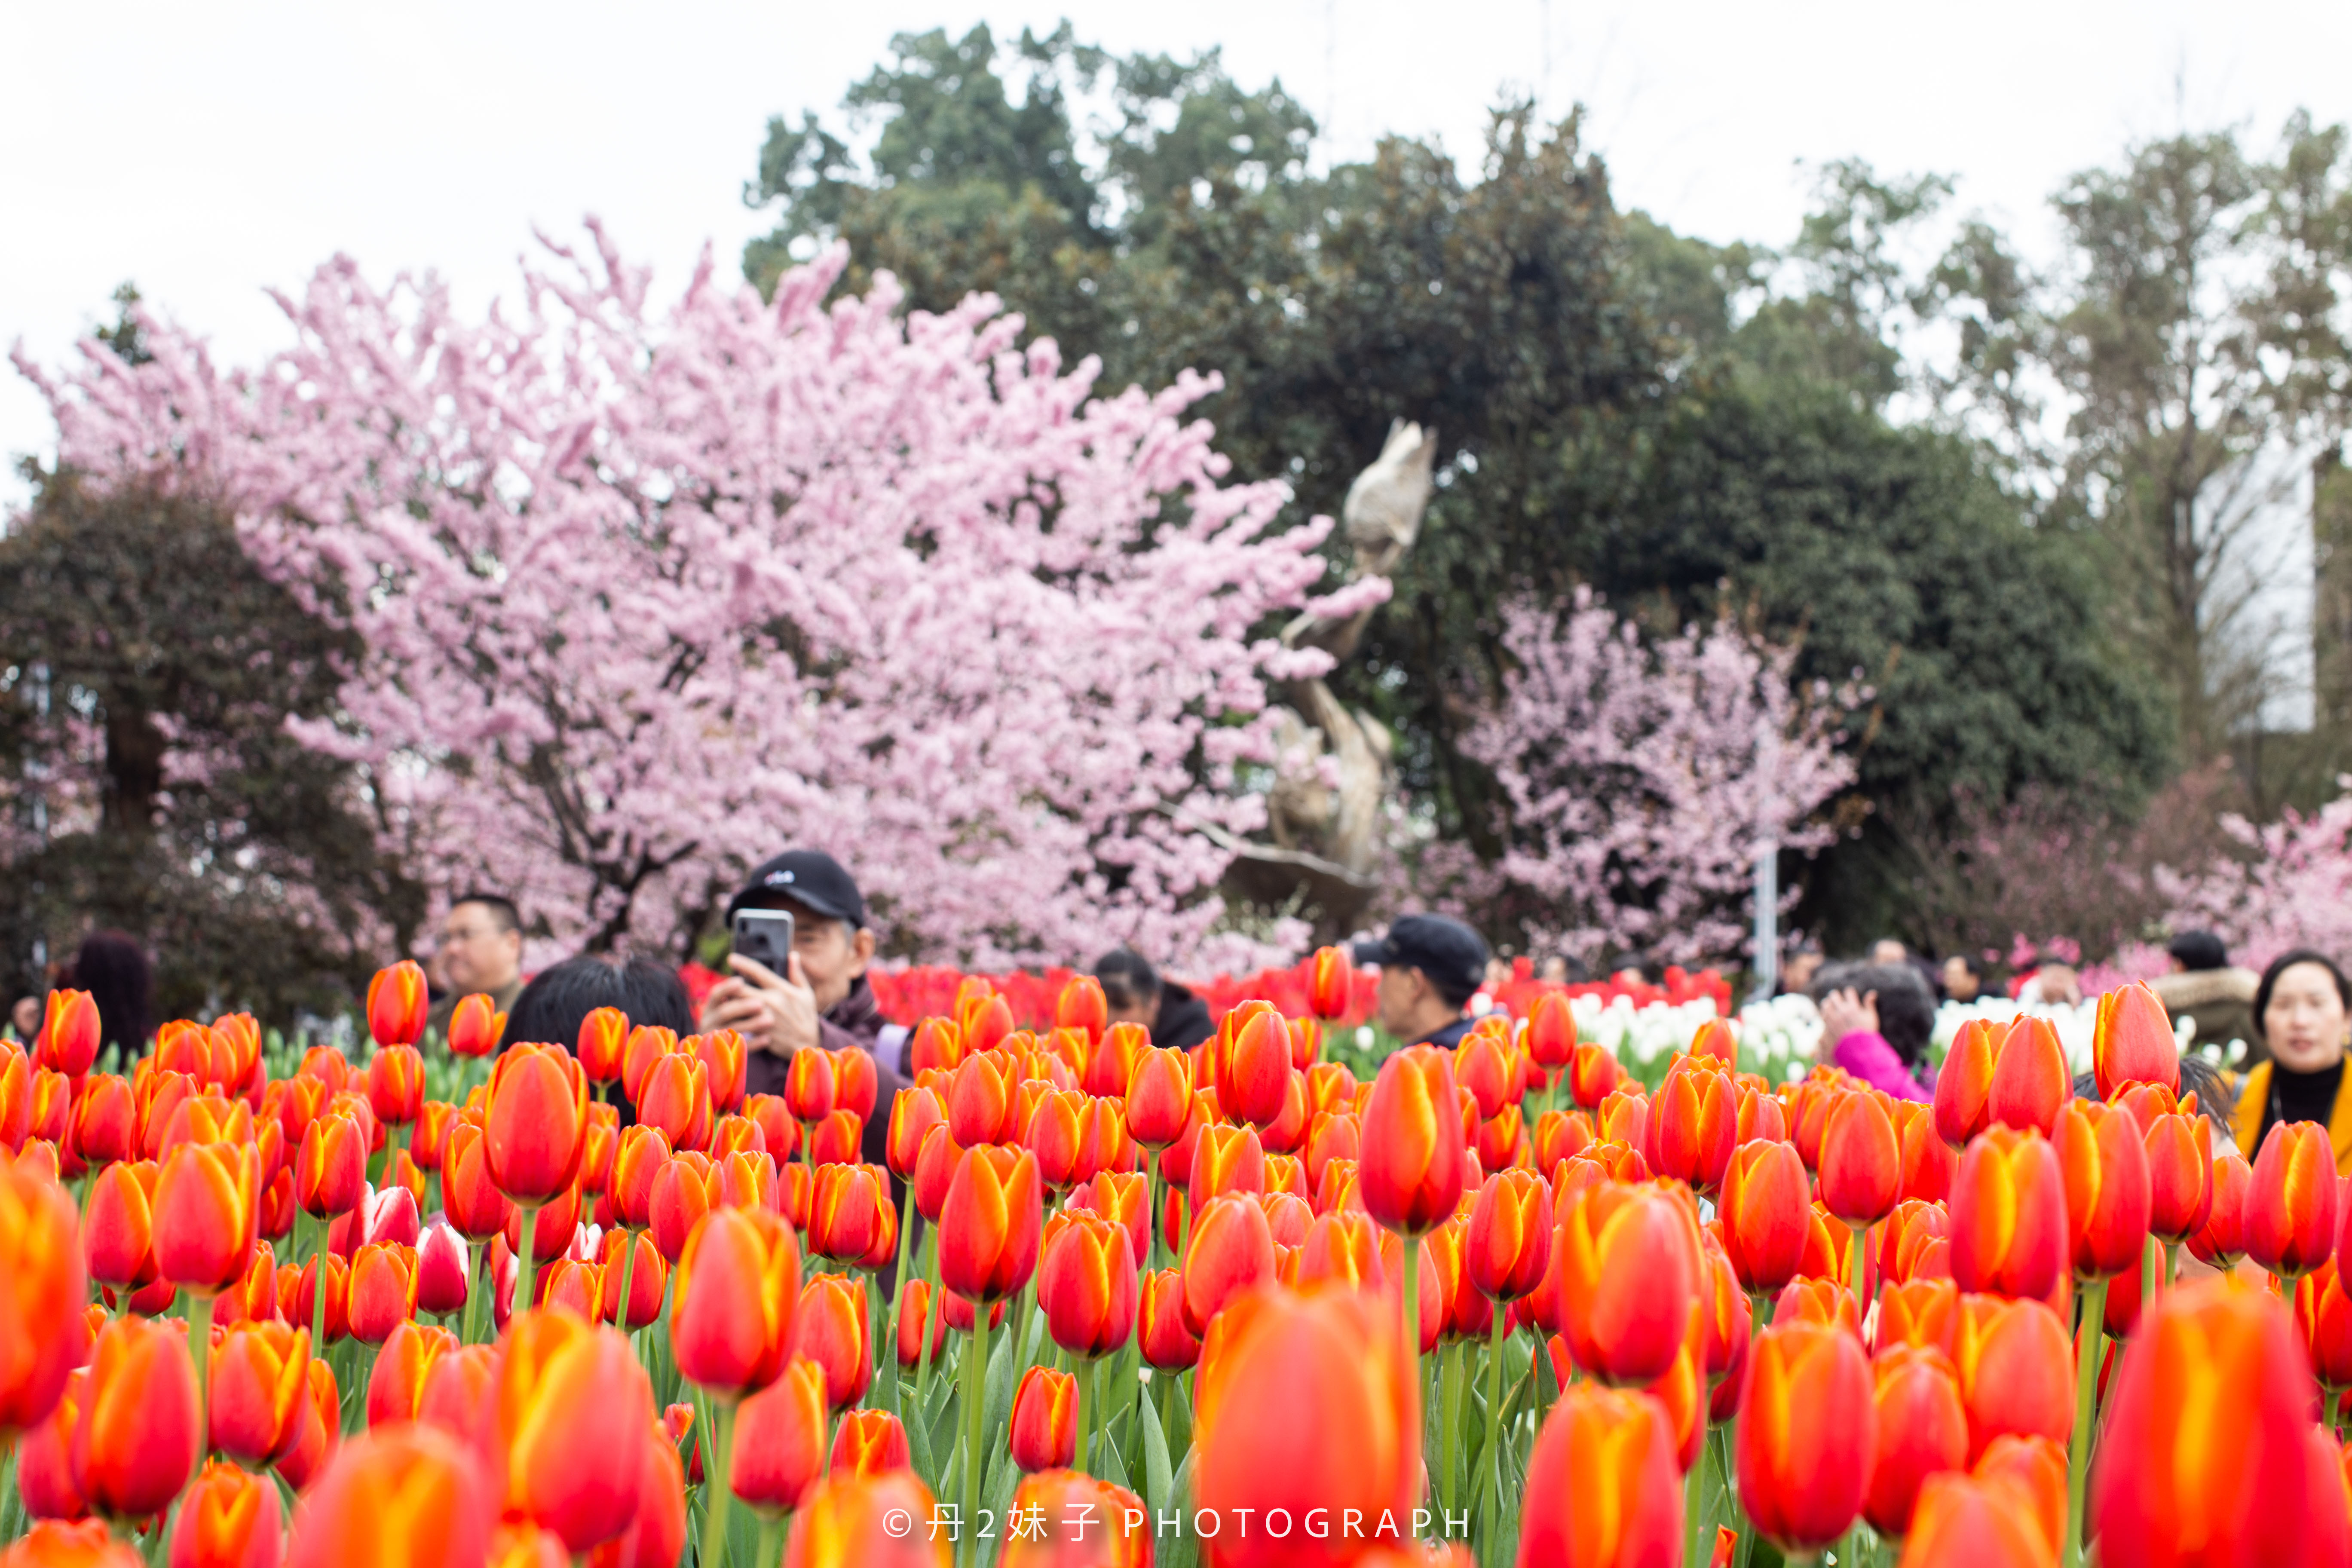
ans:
(1641, 778)
(649, 595)
(2288, 886)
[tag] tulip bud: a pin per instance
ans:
(403, 1370)
(830, 1330)
(990, 1222)
(2105, 1162)
(1922, 1430)
(1086, 1283)
(405, 1494)
(1045, 1419)
(2009, 1233)
(1167, 1342)
(1766, 1214)
(563, 1388)
(2221, 1241)
(1629, 1275)
(535, 1124)
(2132, 1041)
(733, 1301)
(260, 1377)
(2180, 1175)
(1964, 1083)
(858, 1519)
(2016, 1369)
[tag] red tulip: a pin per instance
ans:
(1161, 1333)
(56, 1544)
(646, 1044)
(2033, 1472)
(334, 1317)
(1045, 1419)
(2290, 1225)
(1928, 1163)
(403, 1370)
(1694, 1124)
(849, 1211)
(564, 1387)
(1961, 1521)
(2323, 1321)
(408, 1494)
(207, 1215)
(1086, 1283)
(1629, 1273)
(395, 1084)
(1918, 1312)
(476, 1026)
(2008, 1232)
(2207, 1452)
(138, 1439)
(1509, 1245)
(2105, 1163)
(2180, 1175)
(2016, 1369)
(475, 1205)
(41, 1324)
(726, 1056)
(260, 1378)
(1923, 1428)
(1808, 1429)
(1766, 1215)
(1592, 1075)
(45, 1476)
(1159, 1096)
(1604, 1486)
(1111, 1069)
(2030, 1078)
(397, 1004)
(857, 1520)
(68, 1039)
(105, 1120)
(322, 1426)
(535, 1123)
(1862, 1160)
(1232, 1250)
(229, 1519)
(989, 1223)
(1964, 1082)
(383, 1290)
(2132, 1041)
(2221, 1241)
(1082, 1005)
(1411, 1175)
(1305, 1401)
(779, 1449)
(733, 1301)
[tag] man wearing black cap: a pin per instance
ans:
(1430, 968)
(824, 999)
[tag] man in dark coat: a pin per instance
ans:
(1138, 993)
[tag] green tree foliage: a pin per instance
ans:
(1619, 404)
(148, 780)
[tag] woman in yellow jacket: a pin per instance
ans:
(2304, 1010)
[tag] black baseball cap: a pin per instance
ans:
(809, 878)
(1452, 954)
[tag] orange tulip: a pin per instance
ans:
(138, 1440)
(1592, 1075)
(648, 1279)
(1045, 1419)
(913, 1113)
(2132, 1041)
(1694, 1124)
(1928, 1161)
(1086, 1283)
(1083, 1005)
(989, 1223)
(1411, 1175)
(41, 1325)
(937, 1043)
(563, 1388)
(2221, 1241)
(684, 1188)
(849, 1211)
(726, 1056)
(733, 1301)
(1604, 1486)
(407, 1494)
(914, 1314)
(1824, 1300)
(1110, 1072)
(207, 1215)
(1225, 1159)
(1330, 983)
(260, 1379)
(2323, 1321)
(1808, 1429)
(599, 1045)
(2105, 1163)
(68, 1039)
(2208, 1453)
(2016, 1369)
(2180, 1175)
(535, 1124)
(2290, 1225)
(105, 1120)
(830, 1330)
(1629, 1275)
(57, 1543)
(45, 1474)
(675, 1096)
(229, 1519)
(335, 1320)
(1916, 1242)
(383, 1290)
(2033, 1472)
(2030, 1078)
(646, 1044)
(321, 1428)
(1923, 1429)
(1767, 1213)
(1962, 1521)
(1862, 1160)
(1078, 1522)
(395, 1084)
(856, 1522)
(1509, 1245)
(397, 1004)
(780, 1451)
(1305, 1401)
(2008, 1231)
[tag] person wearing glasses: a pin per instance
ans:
(480, 949)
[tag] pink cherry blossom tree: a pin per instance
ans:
(647, 596)
(1641, 778)
(2288, 885)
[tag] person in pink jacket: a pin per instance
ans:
(1875, 1020)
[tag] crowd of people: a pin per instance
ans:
(2291, 1024)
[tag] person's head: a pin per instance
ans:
(1802, 964)
(1905, 1004)
(1887, 949)
(481, 943)
(113, 968)
(1964, 977)
(2194, 949)
(550, 1010)
(1430, 968)
(1130, 985)
(2300, 1009)
(830, 936)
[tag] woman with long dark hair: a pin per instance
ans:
(2303, 1010)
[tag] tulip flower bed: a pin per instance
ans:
(1232, 1306)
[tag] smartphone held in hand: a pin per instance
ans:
(766, 937)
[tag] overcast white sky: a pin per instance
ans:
(208, 151)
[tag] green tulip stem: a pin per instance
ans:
(1861, 1269)
(200, 1345)
(931, 1309)
(722, 1483)
(2078, 1449)
(975, 1378)
(2147, 1273)
(628, 1266)
(1494, 1411)
(886, 1356)
(525, 1266)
